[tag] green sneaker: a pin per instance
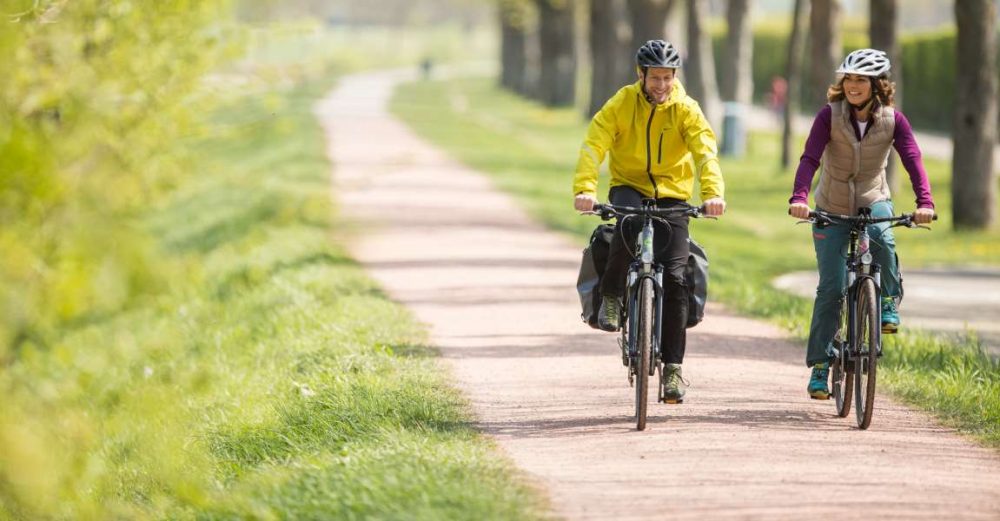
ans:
(609, 315)
(890, 317)
(672, 391)
(818, 389)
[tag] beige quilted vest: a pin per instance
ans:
(853, 173)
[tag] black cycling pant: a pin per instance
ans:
(672, 249)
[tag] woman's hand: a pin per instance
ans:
(799, 210)
(923, 215)
(584, 202)
(714, 207)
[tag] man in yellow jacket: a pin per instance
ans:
(658, 139)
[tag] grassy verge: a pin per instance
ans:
(531, 152)
(270, 379)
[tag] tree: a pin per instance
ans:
(793, 78)
(557, 40)
(824, 49)
(648, 18)
(699, 70)
(513, 45)
(737, 72)
(973, 181)
(882, 33)
(611, 59)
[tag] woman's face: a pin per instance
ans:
(857, 88)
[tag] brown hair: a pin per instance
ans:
(885, 91)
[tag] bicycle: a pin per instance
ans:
(857, 344)
(641, 325)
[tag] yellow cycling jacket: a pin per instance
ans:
(649, 147)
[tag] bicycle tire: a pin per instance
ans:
(842, 372)
(869, 329)
(645, 340)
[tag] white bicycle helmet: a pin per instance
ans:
(865, 62)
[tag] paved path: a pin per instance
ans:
(955, 301)
(497, 292)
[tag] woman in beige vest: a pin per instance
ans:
(851, 138)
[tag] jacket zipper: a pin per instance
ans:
(649, 151)
(659, 150)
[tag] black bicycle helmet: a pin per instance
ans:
(658, 53)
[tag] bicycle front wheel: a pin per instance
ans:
(869, 327)
(841, 370)
(645, 341)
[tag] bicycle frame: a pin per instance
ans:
(643, 267)
(860, 265)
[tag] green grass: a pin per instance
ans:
(269, 379)
(531, 152)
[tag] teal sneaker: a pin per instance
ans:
(890, 317)
(609, 316)
(672, 391)
(818, 389)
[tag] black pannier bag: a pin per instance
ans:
(595, 258)
(588, 283)
(696, 277)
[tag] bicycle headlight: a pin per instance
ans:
(866, 258)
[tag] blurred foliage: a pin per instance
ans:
(182, 338)
(94, 96)
(928, 68)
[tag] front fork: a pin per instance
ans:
(636, 273)
(868, 271)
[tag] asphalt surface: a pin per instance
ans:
(958, 302)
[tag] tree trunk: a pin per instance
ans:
(737, 71)
(699, 69)
(793, 78)
(648, 19)
(973, 181)
(513, 45)
(557, 84)
(824, 49)
(613, 63)
(883, 34)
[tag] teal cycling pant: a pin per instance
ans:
(831, 245)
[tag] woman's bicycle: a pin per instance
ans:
(643, 309)
(857, 344)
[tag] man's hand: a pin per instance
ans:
(714, 207)
(923, 215)
(799, 210)
(584, 202)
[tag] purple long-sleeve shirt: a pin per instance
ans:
(903, 141)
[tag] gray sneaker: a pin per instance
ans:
(609, 315)
(672, 390)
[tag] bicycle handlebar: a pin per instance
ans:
(825, 219)
(608, 210)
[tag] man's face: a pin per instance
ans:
(659, 82)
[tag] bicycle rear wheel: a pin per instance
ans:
(645, 340)
(842, 372)
(869, 323)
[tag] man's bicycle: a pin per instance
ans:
(643, 305)
(857, 343)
